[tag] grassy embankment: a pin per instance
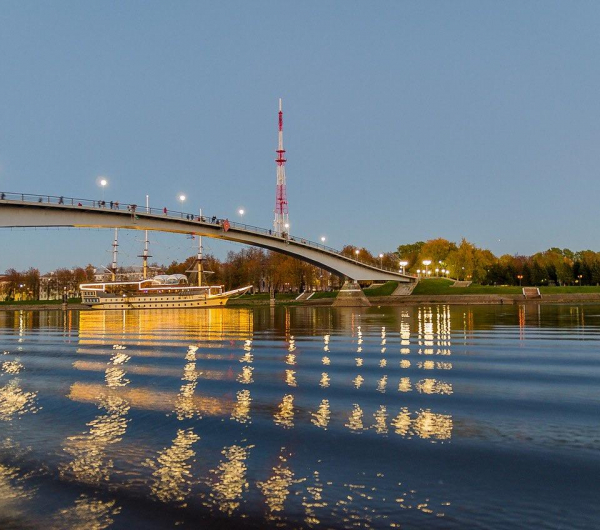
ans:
(444, 287)
(265, 296)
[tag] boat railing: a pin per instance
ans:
(224, 223)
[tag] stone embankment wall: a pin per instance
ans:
(465, 299)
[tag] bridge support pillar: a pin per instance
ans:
(351, 295)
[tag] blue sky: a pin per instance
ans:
(404, 121)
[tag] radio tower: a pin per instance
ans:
(281, 222)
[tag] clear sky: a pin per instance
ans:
(404, 121)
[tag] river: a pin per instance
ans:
(412, 417)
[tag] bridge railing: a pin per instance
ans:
(135, 209)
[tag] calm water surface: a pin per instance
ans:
(418, 417)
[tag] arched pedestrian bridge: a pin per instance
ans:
(19, 210)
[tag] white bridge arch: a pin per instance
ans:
(19, 210)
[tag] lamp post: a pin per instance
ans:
(381, 261)
(520, 277)
(403, 264)
(437, 272)
(103, 184)
(426, 262)
(580, 276)
(241, 211)
(323, 239)
(357, 251)
(182, 198)
(418, 273)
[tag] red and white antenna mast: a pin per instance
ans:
(281, 224)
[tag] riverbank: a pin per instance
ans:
(24, 306)
(455, 299)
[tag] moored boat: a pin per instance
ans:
(162, 291)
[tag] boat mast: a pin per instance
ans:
(113, 268)
(145, 254)
(199, 260)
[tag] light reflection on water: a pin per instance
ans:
(378, 418)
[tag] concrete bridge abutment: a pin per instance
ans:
(351, 295)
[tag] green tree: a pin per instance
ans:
(436, 250)
(410, 252)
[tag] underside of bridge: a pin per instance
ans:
(21, 214)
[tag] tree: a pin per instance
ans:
(363, 254)
(31, 280)
(564, 272)
(64, 280)
(90, 270)
(595, 272)
(462, 261)
(390, 260)
(436, 250)
(537, 275)
(410, 252)
(14, 280)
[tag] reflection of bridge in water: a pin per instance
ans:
(25, 210)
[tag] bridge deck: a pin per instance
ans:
(27, 210)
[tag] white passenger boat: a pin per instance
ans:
(162, 291)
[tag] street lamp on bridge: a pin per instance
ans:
(403, 265)
(103, 183)
(381, 261)
(182, 199)
(241, 211)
